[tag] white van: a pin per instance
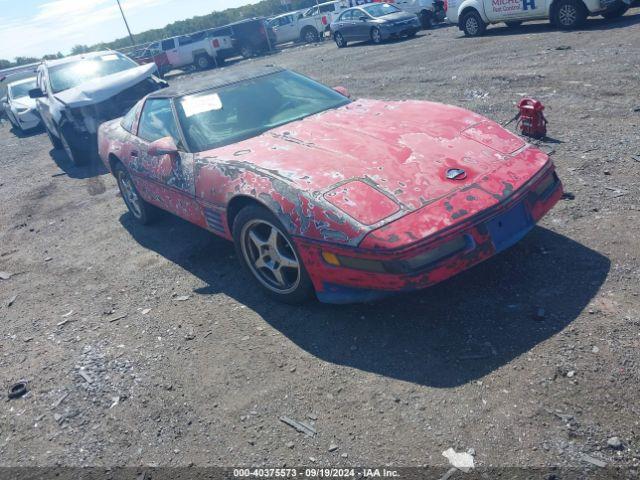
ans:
(473, 16)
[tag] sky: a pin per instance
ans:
(34, 28)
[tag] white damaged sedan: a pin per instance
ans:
(20, 108)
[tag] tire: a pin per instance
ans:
(55, 141)
(267, 252)
(309, 35)
(412, 33)
(246, 51)
(144, 213)
(339, 39)
(376, 36)
(426, 20)
(569, 14)
(472, 24)
(76, 154)
(513, 24)
(616, 11)
(203, 62)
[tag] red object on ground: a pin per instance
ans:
(532, 121)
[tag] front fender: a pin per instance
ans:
(455, 10)
(219, 182)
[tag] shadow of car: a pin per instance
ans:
(448, 335)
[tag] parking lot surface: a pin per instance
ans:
(149, 346)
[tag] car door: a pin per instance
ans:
(362, 25)
(345, 25)
(285, 29)
(506, 10)
(162, 180)
(44, 103)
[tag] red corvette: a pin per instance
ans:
(350, 199)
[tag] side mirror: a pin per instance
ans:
(163, 146)
(342, 91)
(36, 93)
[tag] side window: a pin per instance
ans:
(130, 117)
(168, 44)
(157, 121)
(346, 16)
(327, 8)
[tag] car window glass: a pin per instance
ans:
(157, 121)
(327, 8)
(167, 44)
(130, 118)
(346, 16)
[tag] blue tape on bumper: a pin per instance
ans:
(339, 294)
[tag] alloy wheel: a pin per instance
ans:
(567, 15)
(270, 256)
(130, 194)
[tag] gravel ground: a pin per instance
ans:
(147, 345)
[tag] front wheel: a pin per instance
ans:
(55, 141)
(269, 255)
(339, 39)
(618, 10)
(76, 154)
(376, 36)
(569, 14)
(246, 51)
(472, 24)
(143, 212)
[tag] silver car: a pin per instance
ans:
(19, 107)
(375, 22)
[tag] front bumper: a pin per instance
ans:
(28, 120)
(400, 29)
(485, 236)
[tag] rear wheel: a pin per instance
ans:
(246, 51)
(472, 24)
(143, 212)
(203, 62)
(376, 36)
(269, 255)
(309, 35)
(618, 10)
(426, 19)
(339, 39)
(569, 14)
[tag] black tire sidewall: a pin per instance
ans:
(147, 210)
(304, 290)
(376, 29)
(481, 25)
(342, 43)
(207, 62)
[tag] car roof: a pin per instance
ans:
(75, 58)
(20, 82)
(221, 78)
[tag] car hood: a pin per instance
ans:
(392, 157)
(23, 102)
(101, 89)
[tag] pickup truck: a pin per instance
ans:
(295, 27)
(197, 49)
(473, 16)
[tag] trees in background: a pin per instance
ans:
(263, 8)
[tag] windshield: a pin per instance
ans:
(22, 89)
(380, 9)
(72, 74)
(216, 118)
